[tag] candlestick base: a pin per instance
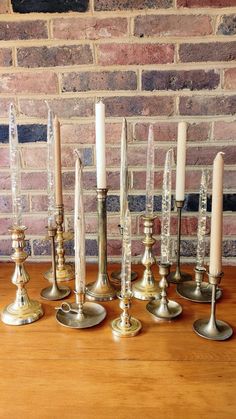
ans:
(190, 291)
(146, 289)
(133, 329)
(16, 315)
(92, 314)
(178, 277)
(116, 276)
(220, 331)
(66, 273)
(55, 293)
(101, 290)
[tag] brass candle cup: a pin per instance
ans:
(164, 309)
(54, 292)
(147, 287)
(101, 289)
(125, 325)
(178, 276)
(212, 328)
(23, 310)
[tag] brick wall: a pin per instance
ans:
(153, 61)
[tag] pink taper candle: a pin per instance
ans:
(217, 216)
(58, 177)
(181, 161)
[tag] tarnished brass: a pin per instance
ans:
(147, 288)
(101, 289)
(64, 271)
(212, 328)
(23, 310)
(178, 276)
(164, 309)
(125, 326)
(54, 292)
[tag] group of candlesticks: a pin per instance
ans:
(82, 313)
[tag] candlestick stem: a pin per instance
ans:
(23, 310)
(101, 289)
(125, 325)
(116, 275)
(212, 328)
(147, 288)
(178, 276)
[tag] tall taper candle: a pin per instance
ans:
(79, 228)
(58, 175)
(50, 169)
(181, 161)
(150, 173)
(126, 256)
(217, 216)
(123, 173)
(100, 145)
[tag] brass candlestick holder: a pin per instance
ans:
(116, 275)
(125, 325)
(23, 310)
(64, 271)
(147, 288)
(164, 308)
(178, 276)
(198, 291)
(54, 292)
(211, 328)
(101, 289)
(81, 314)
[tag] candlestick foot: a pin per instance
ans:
(55, 293)
(190, 291)
(67, 273)
(218, 331)
(132, 330)
(116, 276)
(164, 311)
(15, 315)
(92, 314)
(101, 290)
(146, 289)
(179, 277)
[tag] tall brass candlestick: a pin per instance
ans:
(101, 289)
(23, 310)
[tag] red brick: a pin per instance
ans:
(139, 105)
(4, 157)
(139, 54)
(5, 57)
(172, 25)
(180, 80)
(34, 157)
(36, 29)
(89, 28)
(206, 3)
(34, 181)
(114, 247)
(227, 25)
(4, 106)
(99, 80)
(89, 180)
(37, 82)
(106, 5)
(139, 180)
(5, 180)
(54, 56)
(63, 108)
(198, 131)
(230, 179)
(85, 134)
(163, 131)
(214, 51)
(90, 203)
(206, 155)
(35, 224)
(6, 203)
(224, 130)
(188, 227)
(113, 180)
(6, 246)
(230, 78)
(229, 226)
(205, 105)
(5, 224)
(39, 203)
(192, 180)
(5, 6)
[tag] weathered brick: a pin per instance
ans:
(180, 80)
(230, 78)
(206, 155)
(34, 158)
(5, 247)
(5, 6)
(5, 57)
(32, 133)
(36, 29)
(39, 82)
(114, 247)
(89, 28)
(172, 25)
(34, 181)
(35, 224)
(214, 51)
(4, 157)
(89, 180)
(54, 56)
(52, 6)
(206, 3)
(4, 106)
(113, 203)
(224, 130)
(205, 105)
(5, 180)
(41, 247)
(229, 226)
(229, 248)
(105, 80)
(103, 5)
(139, 180)
(227, 25)
(230, 179)
(68, 156)
(163, 131)
(63, 108)
(139, 54)
(5, 203)
(39, 203)
(5, 224)
(85, 134)
(90, 203)
(198, 131)
(4, 134)
(139, 105)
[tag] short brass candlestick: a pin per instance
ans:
(164, 308)
(211, 328)
(101, 289)
(23, 310)
(178, 276)
(198, 291)
(81, 314)
(64, 271)
(147, 288)
(116, 275)
(125, 325)
(54, 292)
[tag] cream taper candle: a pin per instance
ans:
(57, 149)
(100, 145)
(217, 216)
(181, 161)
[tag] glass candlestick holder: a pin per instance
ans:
(116, 275)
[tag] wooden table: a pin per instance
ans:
(48, 371)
